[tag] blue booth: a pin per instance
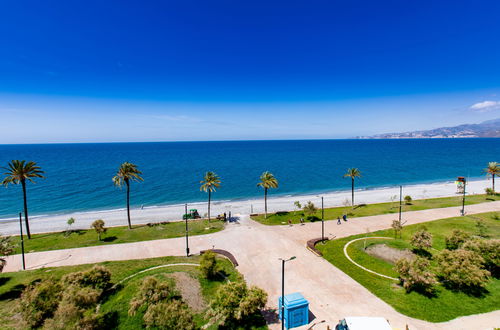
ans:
(296, 310)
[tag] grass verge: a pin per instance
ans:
(447, 304)
(363, 210)
(116, 235)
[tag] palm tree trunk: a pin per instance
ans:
(128, 205)
(265, 203)
(352, 192)
(209, 205)
(23, 183)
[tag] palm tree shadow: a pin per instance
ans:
(109, 239)
(13, 293)
(4, 280)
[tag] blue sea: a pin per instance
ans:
(78, 176)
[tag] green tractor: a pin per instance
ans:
(193, 214)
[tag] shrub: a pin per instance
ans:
(233, 302)
(482, 230)
(462, 269)
(421, 240)
(6, 248)
(99, 228)
(489, 250)
(151, 292)
(208, 264)
(397, 226)
(98, 277)
(489, 191)
(456, 239)
(415, 275)
(408, 199)
(39, 301)
(169, 315)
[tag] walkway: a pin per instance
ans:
(333, 294)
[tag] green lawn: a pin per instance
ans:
(447, 304)
(280, 218)
(12, 284)
(115, 235)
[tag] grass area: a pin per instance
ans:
(12, 284)
(115, 235)
(363, 210)
(447, 304)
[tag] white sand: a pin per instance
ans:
(51, 223)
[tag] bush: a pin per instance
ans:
(208, 264)
(169, 315)
(482, 230)
(151, 292)
(462, 269)
(421, 240)
(233, 302)
(415, 275)
(489, 191)
(98, 277)
(6, 248)
(408, 200)
(39, 301)
(310, 208)
(489, 250)
(397, 226)
(456, 239)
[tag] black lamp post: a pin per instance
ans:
(22, 240)
(400, 202)
(463, 198)
(283, 290)
(187, 241)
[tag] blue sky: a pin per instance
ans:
(95, 71)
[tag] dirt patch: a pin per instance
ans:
(190, 290)
(388, 253)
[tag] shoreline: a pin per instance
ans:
(117, 217)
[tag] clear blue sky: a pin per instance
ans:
(77, 71)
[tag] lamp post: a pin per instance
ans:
(463, 198)
(187, 241)
(322, 220)
(283, 290)
(400, 202)
(22, 240)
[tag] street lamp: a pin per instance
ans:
(322, 220)
(463, 198)
(400, 202)
(187, 241)
(22, 240)
(283, 290)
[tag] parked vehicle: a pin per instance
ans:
(193, 214)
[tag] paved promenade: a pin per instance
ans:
(332, 294)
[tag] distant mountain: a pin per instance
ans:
(489, 128)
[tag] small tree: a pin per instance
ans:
(98, 226)
(297, 206)
(489, 250)
(489, 191)
(456, 239)
(310, 209)
(151, 292)
(6, 248)
(169, 315)
(397, 226)
(415, 275)
(233, 302)
(69, 222)
(421, 240)
(208, 265)
(408, 199)
(462, 269)
(393, 199)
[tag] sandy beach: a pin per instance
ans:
(40, 224)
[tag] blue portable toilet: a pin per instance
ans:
(296, 310)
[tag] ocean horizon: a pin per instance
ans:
(78, 175)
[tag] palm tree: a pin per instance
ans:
(352, 173)
(267, 181)
(18, 172)
(126, 173)
(493, 169)
(210, 183)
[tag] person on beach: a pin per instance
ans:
(229, 216)
(344, 217)
(225, 216)
(290, 222)
(301, 221)
(338, 221)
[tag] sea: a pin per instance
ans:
(78, 177)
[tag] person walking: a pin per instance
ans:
(344, 217)
(338, 221)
